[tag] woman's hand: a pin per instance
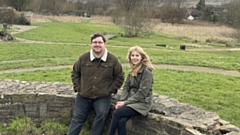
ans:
(119, 104)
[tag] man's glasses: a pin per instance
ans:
(99, 42)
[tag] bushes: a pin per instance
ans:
(20, 126)
(53, 128)
(7, 16)
(13, 18)
(22, 20)
(24, 126)
(213, 40)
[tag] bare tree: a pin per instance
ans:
(230, 13)
(231, 16)
(17, 4)
(7, 15)
(173, 11)
(128, 6)
(132, 16)
(80, 6)
(152, 9)
(68, 7)
(2, 2)
(92, 7)
(54, 6)
(172, 16)
(97, 7)
(35, 5)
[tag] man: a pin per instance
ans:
(96, 75)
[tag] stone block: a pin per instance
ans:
(4, 112)
(32, 114)
(32, 107)
(43, 110)
(45, 98)
(171, 130)
(24, 98)
(53, 114)
(17, 109)
(65, 112)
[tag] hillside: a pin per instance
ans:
(192, 30)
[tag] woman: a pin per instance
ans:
(136, 98)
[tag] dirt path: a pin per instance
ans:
(161, 66)
(20, 28)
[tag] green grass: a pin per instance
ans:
(24, 125)
(212, 92)
(40, 55)
(67, 32)
(80, 33)
(19, 126)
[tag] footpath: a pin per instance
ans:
(20, 28)
(160, 66)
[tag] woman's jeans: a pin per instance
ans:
(120, 118)
(83, 106)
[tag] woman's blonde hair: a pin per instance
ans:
(145, 60)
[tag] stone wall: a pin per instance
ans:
(41, 101)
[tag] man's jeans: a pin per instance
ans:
(82, 108)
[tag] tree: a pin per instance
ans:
(173, 11)
(2, 2)
(48, 5)
(200, 5)
(214, 18)
(34, 5)
(172, 16)
(7, 15)
(132, 16)
(17, 4)
(127, 6)
(206, 14)
(230, 15)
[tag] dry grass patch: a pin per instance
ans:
(64, 18)
(195, 31)
(102, 19)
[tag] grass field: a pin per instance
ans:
(38, 55)
(212, 92)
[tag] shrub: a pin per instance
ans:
(53, 128)
(25, 126)
(20, 126)
(2, 128)
(23, 20)
(7, 15)
(214, 40)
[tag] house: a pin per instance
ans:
(190, 17)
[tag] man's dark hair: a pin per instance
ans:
(96, 35)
